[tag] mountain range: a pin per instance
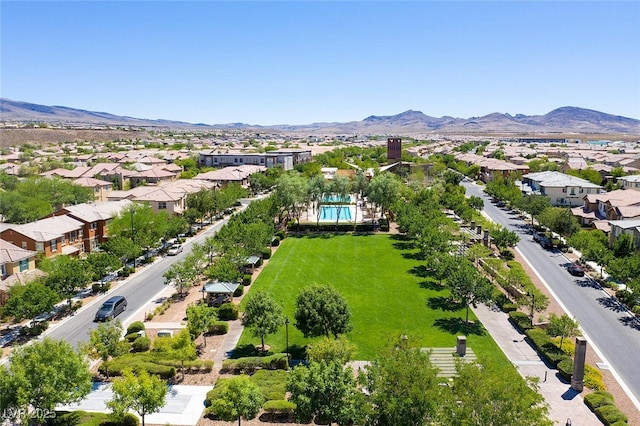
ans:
(561, 120)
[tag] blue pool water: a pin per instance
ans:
(331, 213)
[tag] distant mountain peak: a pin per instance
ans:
(564, 119)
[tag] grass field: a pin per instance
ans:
(379, 276)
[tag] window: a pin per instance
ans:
(39, 247)
(24, 245)
(24, 265)
(54, 246)
(162, 205)
(93, 226)
(3, 272)
(63, 239)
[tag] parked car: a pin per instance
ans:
(575, 270)
(174, 250)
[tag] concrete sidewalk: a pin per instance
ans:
(564, 403)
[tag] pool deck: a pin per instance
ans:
(363, 215)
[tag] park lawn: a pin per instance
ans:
(387, 299)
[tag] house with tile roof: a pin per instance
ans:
(630, 227)
(100, 188)
(15, 259)
(227, 175)
(489, 167)
(562, 190)
(50, 236)
(95, 218)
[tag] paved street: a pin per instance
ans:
(612, 332)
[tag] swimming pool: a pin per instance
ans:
(331, 213)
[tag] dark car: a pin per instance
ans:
(111, 308)
(575, 270)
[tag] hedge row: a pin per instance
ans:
(250, 364)
(195, 366)
(602, 403)
(279, 406)
(118, 365)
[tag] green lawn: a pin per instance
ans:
(377, 275)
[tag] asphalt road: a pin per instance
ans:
(614, 334)
(140, 289)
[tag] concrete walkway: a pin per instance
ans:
(564, 403)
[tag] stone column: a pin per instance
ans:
(577, 379)
(473, 225)
(461, 347)
(485, 237)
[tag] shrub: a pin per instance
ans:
(246, 279)
(610, 414)
(251, 364)
(136, 362)
(219, 327)
(272, 383)
(520, 320)
(141, 344)
(131, 337)
(100, 288)
(266, 253)
(593, 378)
(512, 307)
(506, 254)
(565, 368)
(228, 312)
(279, 406)
(239, 291)
(281, 235)
(275, 242)
(598, 399)
(134, 327)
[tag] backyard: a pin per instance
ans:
(386, 290)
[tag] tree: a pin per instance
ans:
(262, 315)
(476, 203)
(104, 343)
(41, 376)
(143, 393)
(562, 326)
(623, 246)
(224, 269)
(183, 348)
(403, 388)
(338, 350)
(504, 238)
(383, 190)
(29, 300)
(102, 264)
(180, 275)
(240, 397)
(534, 204)
(291, 192)
(67, 276)
(486, 395)
(327, 391)
(468, 286)
(199, 318)
(321, 310)
(559, 220)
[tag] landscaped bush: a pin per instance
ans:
(545, 346)
(246, 279)
(251, 364)
(131, 337)
(219, 327)
(506, 254)
(100, 288)
(593, 378)
(272, 383)
(192, 366)
(137, 362)
(239, 291)
(281, 235)
(598, 399)
(266, 253)
(279, 406)
(520, 320)
(135, 326)
(141, 344)
(512, 307)
(565, 368)
(228, 312)
(83, 418)
(275, 242)
(610, 414)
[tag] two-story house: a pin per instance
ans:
(561, 189)
(50, 236)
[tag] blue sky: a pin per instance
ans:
(298, 62)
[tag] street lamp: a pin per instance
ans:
(533, 302)
(133, 239)
(286, 324)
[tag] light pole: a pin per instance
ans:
(533, 302)
(286, 331)
(133, 239)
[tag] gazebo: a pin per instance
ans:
(216, 293)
